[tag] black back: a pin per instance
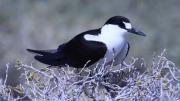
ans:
(78, 51)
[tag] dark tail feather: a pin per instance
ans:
(49, 57)
(42, 52)
(50, 60)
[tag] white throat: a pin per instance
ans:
(113, 30)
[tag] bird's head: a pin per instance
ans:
(121, 25)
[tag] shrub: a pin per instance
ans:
(128, 82)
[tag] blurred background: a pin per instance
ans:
(45, 24)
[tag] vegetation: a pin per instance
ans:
(161, 82)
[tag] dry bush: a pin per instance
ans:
(161, 82)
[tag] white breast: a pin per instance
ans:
(112, 37)
(114, 47)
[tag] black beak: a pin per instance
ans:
(135, 31)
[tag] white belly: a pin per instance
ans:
(113, 50)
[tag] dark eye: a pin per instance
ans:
(122, 25)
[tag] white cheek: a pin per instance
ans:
(112, 31)
(127, 25)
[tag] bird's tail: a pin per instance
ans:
(49, 57)
(42, 52)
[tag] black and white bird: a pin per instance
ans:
(107, 43)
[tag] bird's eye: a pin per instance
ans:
(122, 25)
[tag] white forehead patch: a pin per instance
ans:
(127, 25)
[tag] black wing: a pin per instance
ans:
(78, 51)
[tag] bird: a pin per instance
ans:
(107, 43)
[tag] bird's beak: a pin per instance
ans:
(135, 31)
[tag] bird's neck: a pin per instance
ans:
(110, 34)
(113, 31)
